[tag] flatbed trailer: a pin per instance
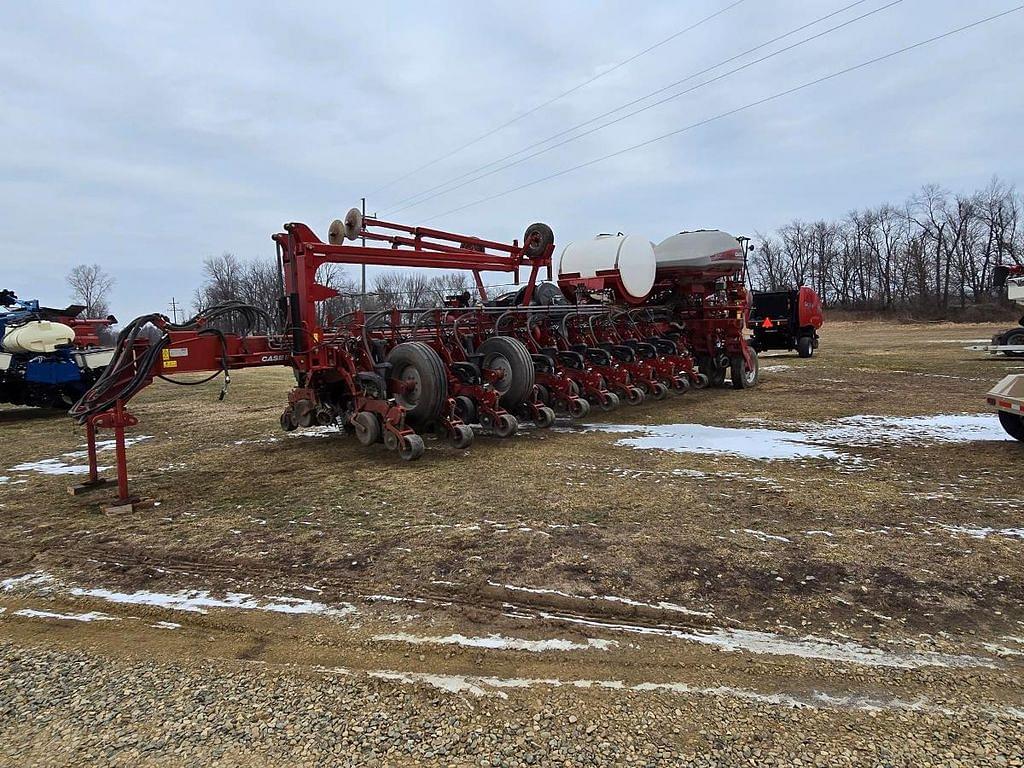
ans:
(1007, 397)
(1010, 350)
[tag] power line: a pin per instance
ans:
(552, 100)
(623, 106)
(665, 100)
(730, 112)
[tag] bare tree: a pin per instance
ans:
(222, 281)
(934, 253)
(334, 277)
(91, 285)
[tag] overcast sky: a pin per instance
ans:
(147, 136)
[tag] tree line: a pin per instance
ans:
(934, 253)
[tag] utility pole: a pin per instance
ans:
(174, 311)
(363, 267)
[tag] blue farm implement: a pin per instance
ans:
(48, 357)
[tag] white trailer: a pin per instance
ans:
(1007, 397)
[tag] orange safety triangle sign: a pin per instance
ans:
(767, 323)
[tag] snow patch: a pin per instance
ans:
(501, 643)
(660, 605)
(90, 616)
(983, 533)
(748, 442)
(808, 647)
(761, 535)
(28, 580)
(53, 467)
(812, 440)
(106, 445)
(199, 601)
(480, 686)
(331, 429)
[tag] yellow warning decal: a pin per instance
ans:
(170, 363)
(167, 354)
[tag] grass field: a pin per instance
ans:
(842, 542)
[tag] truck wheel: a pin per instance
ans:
(1013, 336)
(743, 377)
(512, 358)
(1013, 423)
(425, 385)
(805, 346)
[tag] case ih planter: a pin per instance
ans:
(635, 321)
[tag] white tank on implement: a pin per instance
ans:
(37, 336)
(626, 262)
(707, 251)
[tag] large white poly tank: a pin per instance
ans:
(630, 257)
(708, 251)
(37, 336)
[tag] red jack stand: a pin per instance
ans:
(117, 420)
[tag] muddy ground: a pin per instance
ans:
(867, 566)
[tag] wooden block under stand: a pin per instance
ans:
(88, 485)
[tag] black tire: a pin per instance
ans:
(610, 402)
(805, 346)
(463, 437)
(302, 412)
(536, 240)
(465, 409)
(545, 417)
(511, 356)
(1013, 423)
(635, 395)
(415, 361)
(288, 421)
(743, 378)
(578, 407)
(1013, 336)
(714, 372)
(505, 425)
(411, 448)
(367, 427)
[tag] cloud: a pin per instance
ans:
(147, 136)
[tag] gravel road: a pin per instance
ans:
(62, 707)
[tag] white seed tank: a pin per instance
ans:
(37, 336)
(626, 261)
(709, 252)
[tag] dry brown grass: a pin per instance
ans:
(564, 509)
